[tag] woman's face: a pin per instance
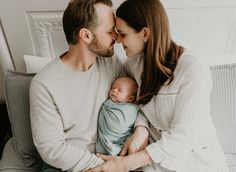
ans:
(132, 41)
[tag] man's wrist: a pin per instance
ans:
(137, 160)
(125, 161)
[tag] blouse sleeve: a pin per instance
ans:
(190, 110)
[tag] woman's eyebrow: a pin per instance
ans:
(120, 31)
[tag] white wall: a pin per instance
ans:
(14, 16)
(34, 27)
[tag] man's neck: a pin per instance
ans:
(79, 58)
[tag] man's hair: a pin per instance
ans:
(80, 14)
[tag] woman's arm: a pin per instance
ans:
(123, 163)
(135, 147)
(137, 142)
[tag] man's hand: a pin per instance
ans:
(137, 142)
(114, 164)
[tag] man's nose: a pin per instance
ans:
(114, 35)
(118, 39)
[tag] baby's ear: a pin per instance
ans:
(131, 99)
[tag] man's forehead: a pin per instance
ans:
(105, 14)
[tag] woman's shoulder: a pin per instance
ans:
(190, 61)
(191, 66)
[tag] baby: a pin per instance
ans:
(117, 116)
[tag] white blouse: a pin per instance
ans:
(182, 136)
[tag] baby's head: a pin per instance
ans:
(123, 90)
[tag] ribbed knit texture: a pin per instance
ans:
(17, 99)
(223, 109)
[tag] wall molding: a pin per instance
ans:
(218, 22)
(41, 26)
(215, 23)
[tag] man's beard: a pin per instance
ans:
(99, 49)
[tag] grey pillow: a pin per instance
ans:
(223, 108)
(17, 100)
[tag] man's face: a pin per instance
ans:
(104, 35)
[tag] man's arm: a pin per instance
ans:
(49, 136)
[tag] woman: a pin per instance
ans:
(174, 96)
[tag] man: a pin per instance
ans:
(65, 97)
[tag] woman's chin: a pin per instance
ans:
(129, 55)
(132, 55)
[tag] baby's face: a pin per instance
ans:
(120, 91)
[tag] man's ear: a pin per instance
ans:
(86, 35)
(146, 34)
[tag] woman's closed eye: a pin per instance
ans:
(122, 35)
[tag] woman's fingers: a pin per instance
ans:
(124, 150)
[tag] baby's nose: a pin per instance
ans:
(114, 91)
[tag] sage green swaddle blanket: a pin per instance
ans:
(115, 124)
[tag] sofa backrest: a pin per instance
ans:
(17, 100)
(223, 112)
(223, 109)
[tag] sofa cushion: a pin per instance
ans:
(35, 63)
(17, 100)
(11, 162)
(223, 108)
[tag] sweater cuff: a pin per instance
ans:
(159, 157)
(141, 120)
(155, 153)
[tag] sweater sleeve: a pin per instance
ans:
(49, 137)
(191, 106)
(141, 120)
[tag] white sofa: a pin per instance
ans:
(20, 154)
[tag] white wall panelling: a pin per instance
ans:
(47, 33)
(13, 14)
(205, 30)
(5, 56)
(5, 60)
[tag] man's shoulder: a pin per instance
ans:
(112, 65)
(48, 71)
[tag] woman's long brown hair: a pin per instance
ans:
(161, 53)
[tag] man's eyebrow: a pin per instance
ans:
(111, 28)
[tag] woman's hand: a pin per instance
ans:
(114, 164)
(137, 142)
